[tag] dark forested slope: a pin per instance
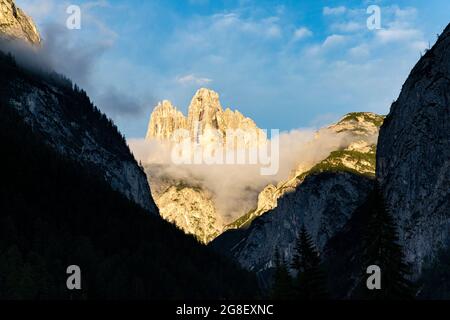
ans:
(55, 213)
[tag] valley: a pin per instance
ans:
(186, 199)
(295, 213)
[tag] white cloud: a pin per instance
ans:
(407, 13)
(397, 35)
(233, 22)
(327, 11)
(302, 33)
(274, 31)
(95, 4)
(334, 40)
(350, 26)
(360, 51)
(193, 79)
(235, 188)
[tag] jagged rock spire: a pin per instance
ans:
(205, 112)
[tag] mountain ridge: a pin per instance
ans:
(358, 158)
(413, 156)
(50, 104)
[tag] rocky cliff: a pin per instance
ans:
(205, 118)
(322, 198)
(164, 121)
(15, 24)
(414, 156)
(65, 118)
(185, 203)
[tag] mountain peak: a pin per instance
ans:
(15, 24)
(374, 118)
(206, 92)
(205, 112)
(204, 107)
(165, 119)
(359, 123)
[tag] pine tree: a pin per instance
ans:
(310, 280)
(381, 247)
(282, 287)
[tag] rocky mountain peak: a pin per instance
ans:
(205, 99)
(205, 113)
(164, 120)
(15, 24)
(359, 123)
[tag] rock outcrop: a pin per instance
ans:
(164, 121)
(15, 24)
(185, 203)
(414, 157)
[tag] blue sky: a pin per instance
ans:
(286, 64)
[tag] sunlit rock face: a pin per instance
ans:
(206, 122)
(414, 156)
(164, 121)
(185, 202)
(15, 24)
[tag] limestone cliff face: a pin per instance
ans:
(205, 112)
(206, 119)
(192, 210)
(15, 24)
(414, 156)
(164, 121)
(184, 202)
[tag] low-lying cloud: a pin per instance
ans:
(61, 53)
(235, 188)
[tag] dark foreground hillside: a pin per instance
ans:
(54, 213)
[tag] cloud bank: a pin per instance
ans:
(235, 188)
(75, 56)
